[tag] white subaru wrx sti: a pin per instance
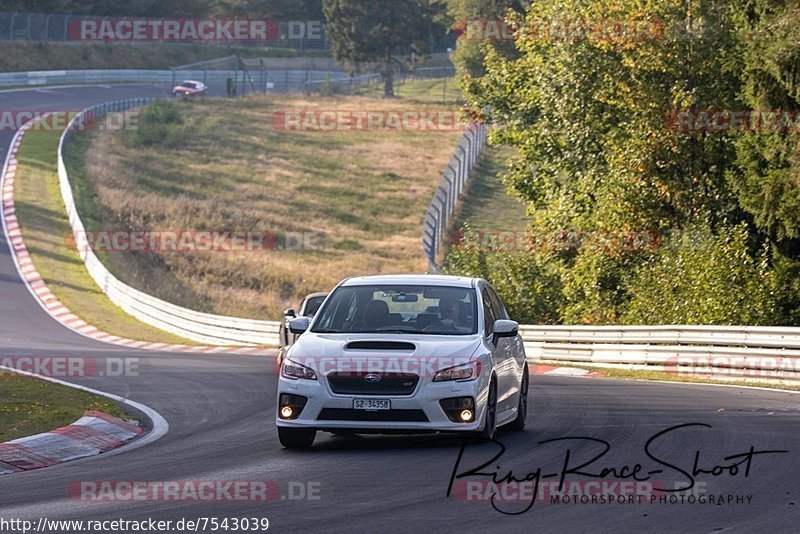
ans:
(403, 354)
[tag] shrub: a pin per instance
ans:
(699, 277)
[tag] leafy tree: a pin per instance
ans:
(702, 278)
(469, 55)
(529, 284)
(592, 111)
(767, 180)
(379, 31)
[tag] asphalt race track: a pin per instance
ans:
(220, 409)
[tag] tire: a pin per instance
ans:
(490, 420)
(522, 408)
(296, 438)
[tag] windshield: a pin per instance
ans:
(189, 85)
(399, 309)
(312, 305)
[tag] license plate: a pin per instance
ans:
(372, 404)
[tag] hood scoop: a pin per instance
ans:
(380, 345)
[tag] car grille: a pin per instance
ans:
(389, 384)
(349, 414)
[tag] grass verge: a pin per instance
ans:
(357, 197)
(45, 227)
(444, 91)
(487, 204)
(644, 374)
(30, 406)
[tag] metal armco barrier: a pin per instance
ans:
(285, 80)
(190, 324)
(766, 352)
(451, 186)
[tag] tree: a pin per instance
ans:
(767, 180)
(379, 31)
(469, 55)
(590, 101)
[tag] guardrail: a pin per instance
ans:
(451, 186)
(743, 336)
(190, 324)
(741, 351)
(288, 79)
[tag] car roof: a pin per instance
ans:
(191, 81)
(317, 294)
(412, 279)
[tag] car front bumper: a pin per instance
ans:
(425, 398)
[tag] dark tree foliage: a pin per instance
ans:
(592, 111)
(278, 9)
(381, 31)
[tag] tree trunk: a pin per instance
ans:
(388, 79)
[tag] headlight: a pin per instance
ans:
(294, 370)
(467, 371)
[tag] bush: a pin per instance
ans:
(160, 124)
(527, 283)
(703, 278)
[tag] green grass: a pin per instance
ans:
(52, 56)
(644, 374)
(44, 226)
(487, 204)
(30, 406)
(444, 91)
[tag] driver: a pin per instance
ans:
(449, 311)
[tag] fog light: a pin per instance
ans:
(459, 409)
(291, 406)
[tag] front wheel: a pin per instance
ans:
(490, 421)
(522, 407)
(296, 438)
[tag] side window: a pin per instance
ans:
(497, 305)
(488, 313)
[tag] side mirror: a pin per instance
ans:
(298, 325)
(289, 313)
(505, 328)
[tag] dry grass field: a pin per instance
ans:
(222, 165)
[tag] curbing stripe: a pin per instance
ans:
(23, 458)
(92, 434)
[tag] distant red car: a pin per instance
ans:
(190, 88)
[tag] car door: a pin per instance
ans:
(506, 365)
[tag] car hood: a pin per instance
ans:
(332, 352)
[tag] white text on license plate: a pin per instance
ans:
(372, 404)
